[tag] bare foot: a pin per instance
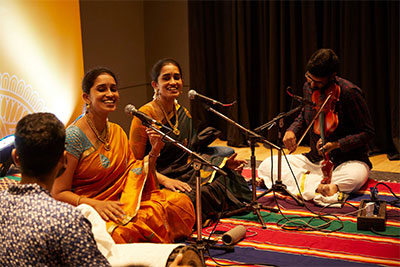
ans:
(327, 189)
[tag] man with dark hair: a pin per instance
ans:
(346, 144)
(35, 229)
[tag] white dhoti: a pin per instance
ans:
(348, 176)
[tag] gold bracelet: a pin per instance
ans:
(154, 156)
(77, 202)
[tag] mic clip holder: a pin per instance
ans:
(194, 155)
(280, 116)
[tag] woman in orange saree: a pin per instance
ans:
(102, 171)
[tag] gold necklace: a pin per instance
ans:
(175, 129)
(103, 140)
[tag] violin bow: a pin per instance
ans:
(315, 117)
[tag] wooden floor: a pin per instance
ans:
(379, 162)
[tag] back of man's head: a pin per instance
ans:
(323, 63)
(39, 142)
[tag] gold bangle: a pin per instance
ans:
(77, 202)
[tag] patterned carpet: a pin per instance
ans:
(288, 239)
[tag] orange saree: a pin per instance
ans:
(152, 215)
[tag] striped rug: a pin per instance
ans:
(338, 243)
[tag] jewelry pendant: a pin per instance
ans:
(107, 147)
(176, 131)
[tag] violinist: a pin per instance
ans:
(338, 138)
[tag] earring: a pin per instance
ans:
(156, 93)
(87, 107)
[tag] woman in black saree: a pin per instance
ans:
(174, 170)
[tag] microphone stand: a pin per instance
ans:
(278, 186)
(254, 206)
(198, 162)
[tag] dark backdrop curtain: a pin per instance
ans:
(251, 51)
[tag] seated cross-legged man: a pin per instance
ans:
(344, 144)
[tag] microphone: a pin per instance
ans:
(303, 100)
(192, 94)
(299, 98)
(131, 110)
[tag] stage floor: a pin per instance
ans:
(380, 162)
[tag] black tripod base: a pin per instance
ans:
(203, 244)
(281, 188)
(255, 208)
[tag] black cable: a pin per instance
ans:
(220, 213)
(390, 189)
(302, 226)
(213, 230)
(348, 203)
(375, 232)
(240, 264)
(392, 203)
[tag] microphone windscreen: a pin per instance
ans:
(129, 108)
(192, 94)
(234, 235)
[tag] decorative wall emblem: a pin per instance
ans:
(16, 100)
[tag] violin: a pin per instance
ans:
(327, 123)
